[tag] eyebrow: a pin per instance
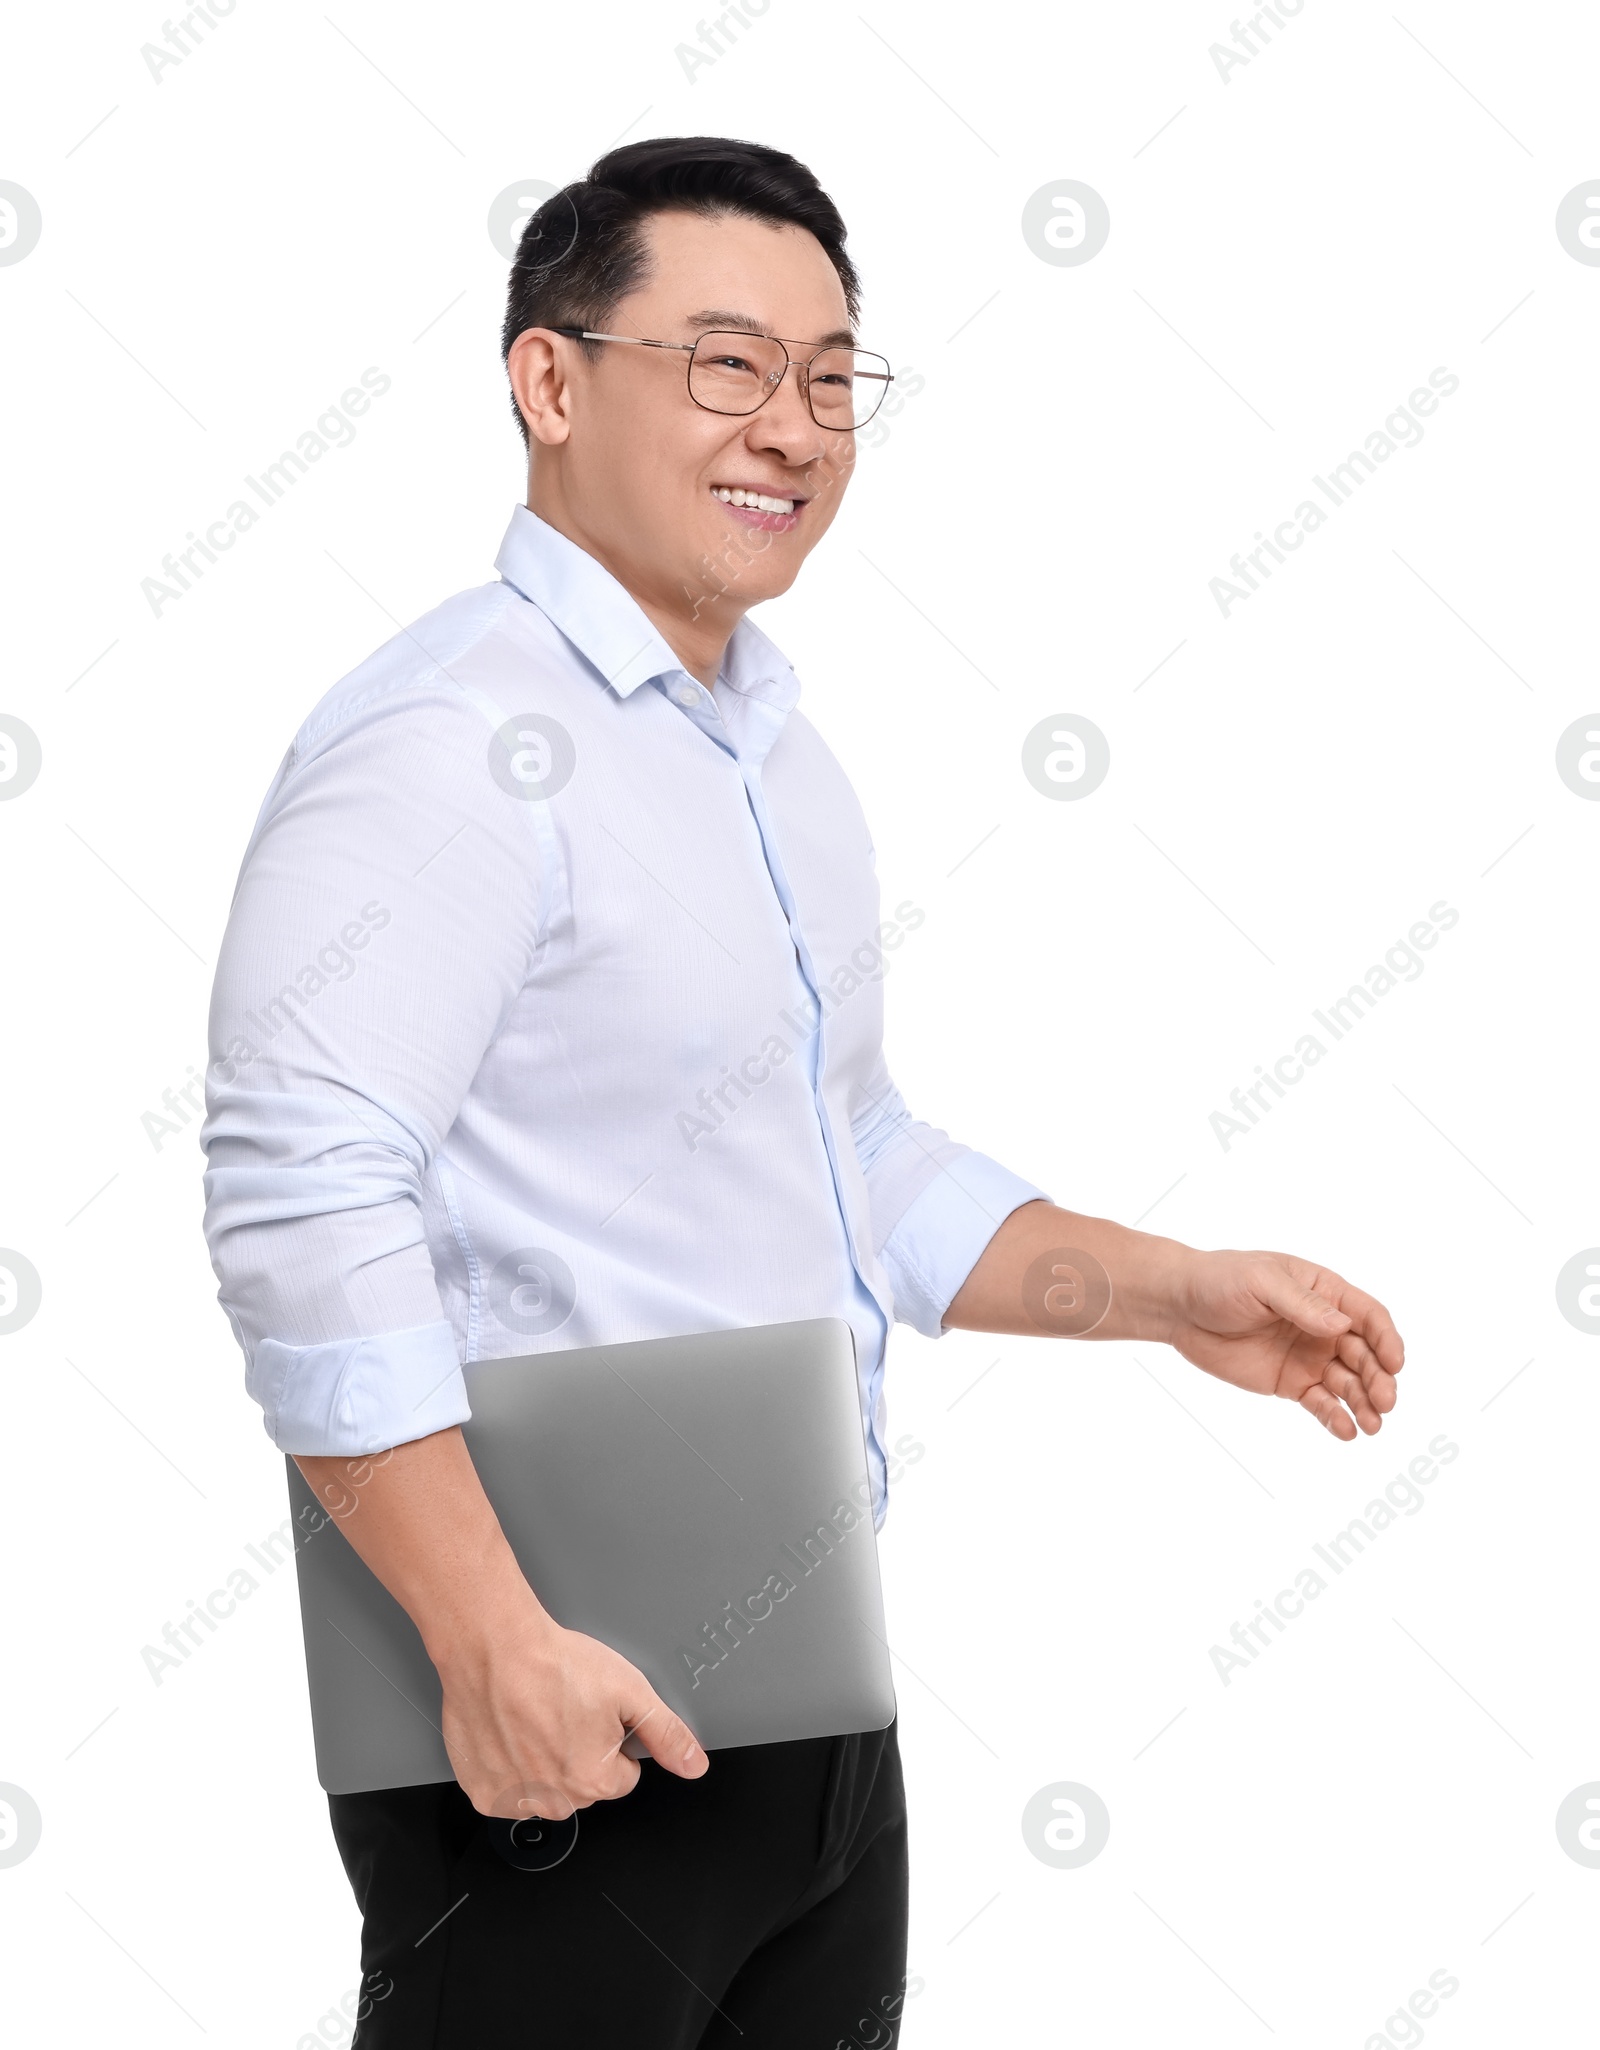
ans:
(720, 317)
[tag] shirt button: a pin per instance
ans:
(686, 694)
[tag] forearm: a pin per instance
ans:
(533, 1716)
(1027, 1280)
(419, 1518)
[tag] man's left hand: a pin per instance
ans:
(1278, 1325)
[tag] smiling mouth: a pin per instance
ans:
(749, 499)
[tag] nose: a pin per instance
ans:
(775, 377)
(786, 422)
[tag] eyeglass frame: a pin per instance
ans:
(584, 334)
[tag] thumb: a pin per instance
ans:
(1302, 1306)
(667, 1737)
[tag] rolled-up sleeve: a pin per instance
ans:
(935, 1203)
(388, 912)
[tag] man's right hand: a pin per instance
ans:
(535, 1717)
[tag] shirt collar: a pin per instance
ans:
(609, 629)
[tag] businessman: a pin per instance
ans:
(497, 1066)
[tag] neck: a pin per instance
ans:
(699, 644)
(696, 631)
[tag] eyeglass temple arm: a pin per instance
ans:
(585, 334)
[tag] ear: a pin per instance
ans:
(537, 366)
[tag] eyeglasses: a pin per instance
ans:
(734, 372)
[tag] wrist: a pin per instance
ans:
(466, 1636)
(1155, 1305)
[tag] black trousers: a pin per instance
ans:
(762, 1907)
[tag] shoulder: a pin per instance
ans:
(465, 666)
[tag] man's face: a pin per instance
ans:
(643, 464)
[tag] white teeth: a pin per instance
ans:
(757, 500)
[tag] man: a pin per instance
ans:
(549, 1014)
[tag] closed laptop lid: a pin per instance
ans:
(699, 1503)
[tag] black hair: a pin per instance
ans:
(585, 249)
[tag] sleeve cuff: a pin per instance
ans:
(355, 1395)
(939, 1240)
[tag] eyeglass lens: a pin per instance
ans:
(734, 373)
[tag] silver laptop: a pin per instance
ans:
(698, 1503)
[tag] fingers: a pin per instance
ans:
(1305, 1307)
(1352, 1308)
(667, 1737)
(1368, 1317)
(1344, 1383)
(1353, 1389)
(546, 1738)
(1376, 1382)
(1353, 1385)
(1328, 1411)
(525, 1799)
(1373, 1322)
(559, 1797)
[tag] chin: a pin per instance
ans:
(720, 576)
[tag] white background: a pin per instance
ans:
(1292, 788)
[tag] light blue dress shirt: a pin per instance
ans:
(550, 1013)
